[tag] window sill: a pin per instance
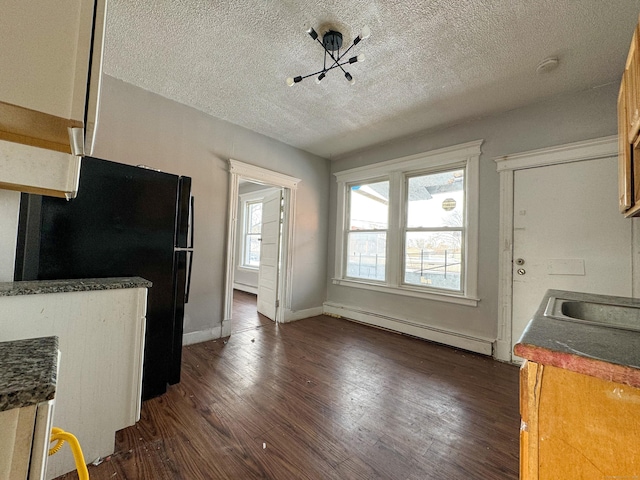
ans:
(409, 292)
(249, 269)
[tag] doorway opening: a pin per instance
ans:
(257, 259)
(259, 256)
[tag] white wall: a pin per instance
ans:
(139, 127)
(9, 209)
(586, 115)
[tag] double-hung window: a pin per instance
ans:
(249, 231)
(434, 230)
(409, 226)
(368, 225)
(252, 232)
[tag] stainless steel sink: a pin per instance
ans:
(605, 314)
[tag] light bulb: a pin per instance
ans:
(366, 32)
(290, 81)
(312, 33)
(361, 57)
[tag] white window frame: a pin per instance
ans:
(245, 199)
(465, 156)
(346, 231)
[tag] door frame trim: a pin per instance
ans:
(289, 186)
(506, 166)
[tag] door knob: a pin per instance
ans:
(520, 261)
(521, 271)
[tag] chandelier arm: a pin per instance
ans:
(346, 51)
(302, 77)
(336, 64)
(324, 70)
(335, 60)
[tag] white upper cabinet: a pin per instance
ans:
(50, 69)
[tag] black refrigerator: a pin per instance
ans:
(125, 221)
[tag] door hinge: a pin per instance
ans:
(277, 303)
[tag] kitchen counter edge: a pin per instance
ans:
(607, 353)
(28, 372)
(9, 289)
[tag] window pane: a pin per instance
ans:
(436, 200)
(252, 251)
(366, 255)
(369, 206)
(254, 217)
(433, 259)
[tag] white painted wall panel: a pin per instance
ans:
(9, 207)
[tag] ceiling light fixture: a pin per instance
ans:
(331, 43)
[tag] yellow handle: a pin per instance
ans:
(60, 436)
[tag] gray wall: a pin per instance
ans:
(139, 127)
(585, 115)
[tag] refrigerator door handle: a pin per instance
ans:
(192, 218)
(189, 268)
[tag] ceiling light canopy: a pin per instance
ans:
(331, 43)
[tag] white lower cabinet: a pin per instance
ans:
(40, 447)
(101, 340)
(24, 442)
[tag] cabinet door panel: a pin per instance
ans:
(631, 79)
(587, 427)
(624, 153)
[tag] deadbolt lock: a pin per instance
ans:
(521, 271)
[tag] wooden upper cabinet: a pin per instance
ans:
(45, 59)
(624, 154)
(631, 79)
(50, 76)
(628, 128)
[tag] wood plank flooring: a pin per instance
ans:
(324, 398)
(245, 316)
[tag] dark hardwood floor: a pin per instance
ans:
(245, 316)
(324, 398)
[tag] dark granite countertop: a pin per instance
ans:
(8, 289)
(27, 371)
(592, 349)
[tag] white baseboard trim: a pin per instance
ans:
(225, 329)
(292, 316)
(458, 340)
(200, 336)
(503, 351)
(245, 288)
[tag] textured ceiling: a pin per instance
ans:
(430, 63)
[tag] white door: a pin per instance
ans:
(269, 254)
(567, 235)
